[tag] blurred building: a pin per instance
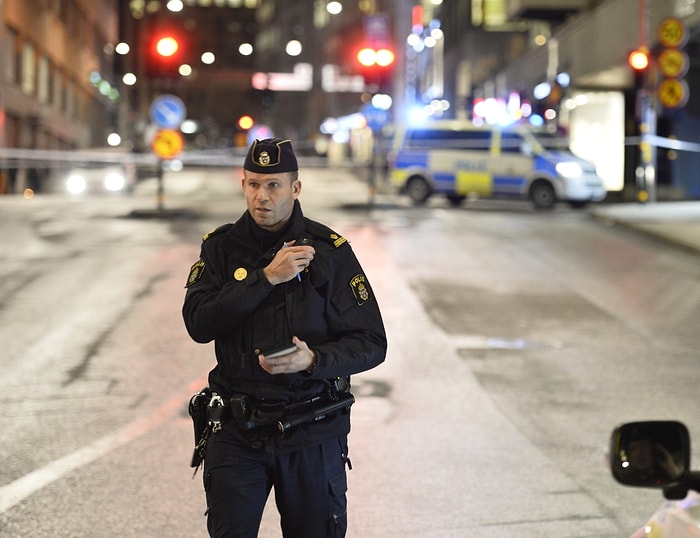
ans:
(56, 90)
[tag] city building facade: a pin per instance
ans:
(56, 90)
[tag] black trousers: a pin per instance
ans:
(310, 488)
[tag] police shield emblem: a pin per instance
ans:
(360, 289)
(196, 272)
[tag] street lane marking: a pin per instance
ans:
(20, 489)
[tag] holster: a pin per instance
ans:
(198, 410)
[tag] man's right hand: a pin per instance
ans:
(289, 261)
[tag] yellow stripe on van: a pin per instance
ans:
(474, 182)
(398, 177)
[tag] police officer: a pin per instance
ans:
(275, 278)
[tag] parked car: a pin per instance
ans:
(459, 159)
(92, 179)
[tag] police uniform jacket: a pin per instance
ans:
(331, 306)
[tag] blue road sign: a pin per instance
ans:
(167, 111)
(376, 117)
(377, 28)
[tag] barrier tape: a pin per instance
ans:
(663, 142)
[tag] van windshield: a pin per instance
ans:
(551, 141)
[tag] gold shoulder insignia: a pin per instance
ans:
(337, 239)
(222, 228)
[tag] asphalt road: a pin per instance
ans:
(518, 340)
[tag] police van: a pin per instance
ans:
(460, 160)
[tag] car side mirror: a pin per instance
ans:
(652, 454)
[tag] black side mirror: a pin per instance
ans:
(652, 454)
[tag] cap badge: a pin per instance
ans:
(264, 158)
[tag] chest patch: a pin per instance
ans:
(196, 272)
(360, 289)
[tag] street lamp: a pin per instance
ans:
(293, 48)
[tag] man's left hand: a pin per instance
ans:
(303, 359)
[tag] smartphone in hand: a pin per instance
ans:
(280, 351)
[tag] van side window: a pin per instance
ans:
(447, 139)
(511, 142)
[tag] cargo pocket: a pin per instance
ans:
(338, 517)
(206, 480)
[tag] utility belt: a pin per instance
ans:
(210, 411)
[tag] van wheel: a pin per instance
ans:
(418, 190)
(542, 195)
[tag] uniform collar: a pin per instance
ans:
(264, 239)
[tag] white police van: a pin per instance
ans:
(458, 159)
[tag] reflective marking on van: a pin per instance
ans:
(509, 184)
(406, 159)
(444, 181)
(474, 182)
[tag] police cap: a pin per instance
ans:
(271, 156)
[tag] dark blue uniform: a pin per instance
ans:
(333, 308)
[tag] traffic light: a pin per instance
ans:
(167, 46)
(369, 57)
(638, 59)
(375, 64)
(165, 53)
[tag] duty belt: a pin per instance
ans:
(210, 410)
(250, 415)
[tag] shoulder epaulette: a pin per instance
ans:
(324, 233)
(216, 231)
(337, 239)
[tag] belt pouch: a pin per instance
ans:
(241, 411)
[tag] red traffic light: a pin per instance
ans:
(166, 51)
(370, 57)
(167, 46)
(639, 59)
